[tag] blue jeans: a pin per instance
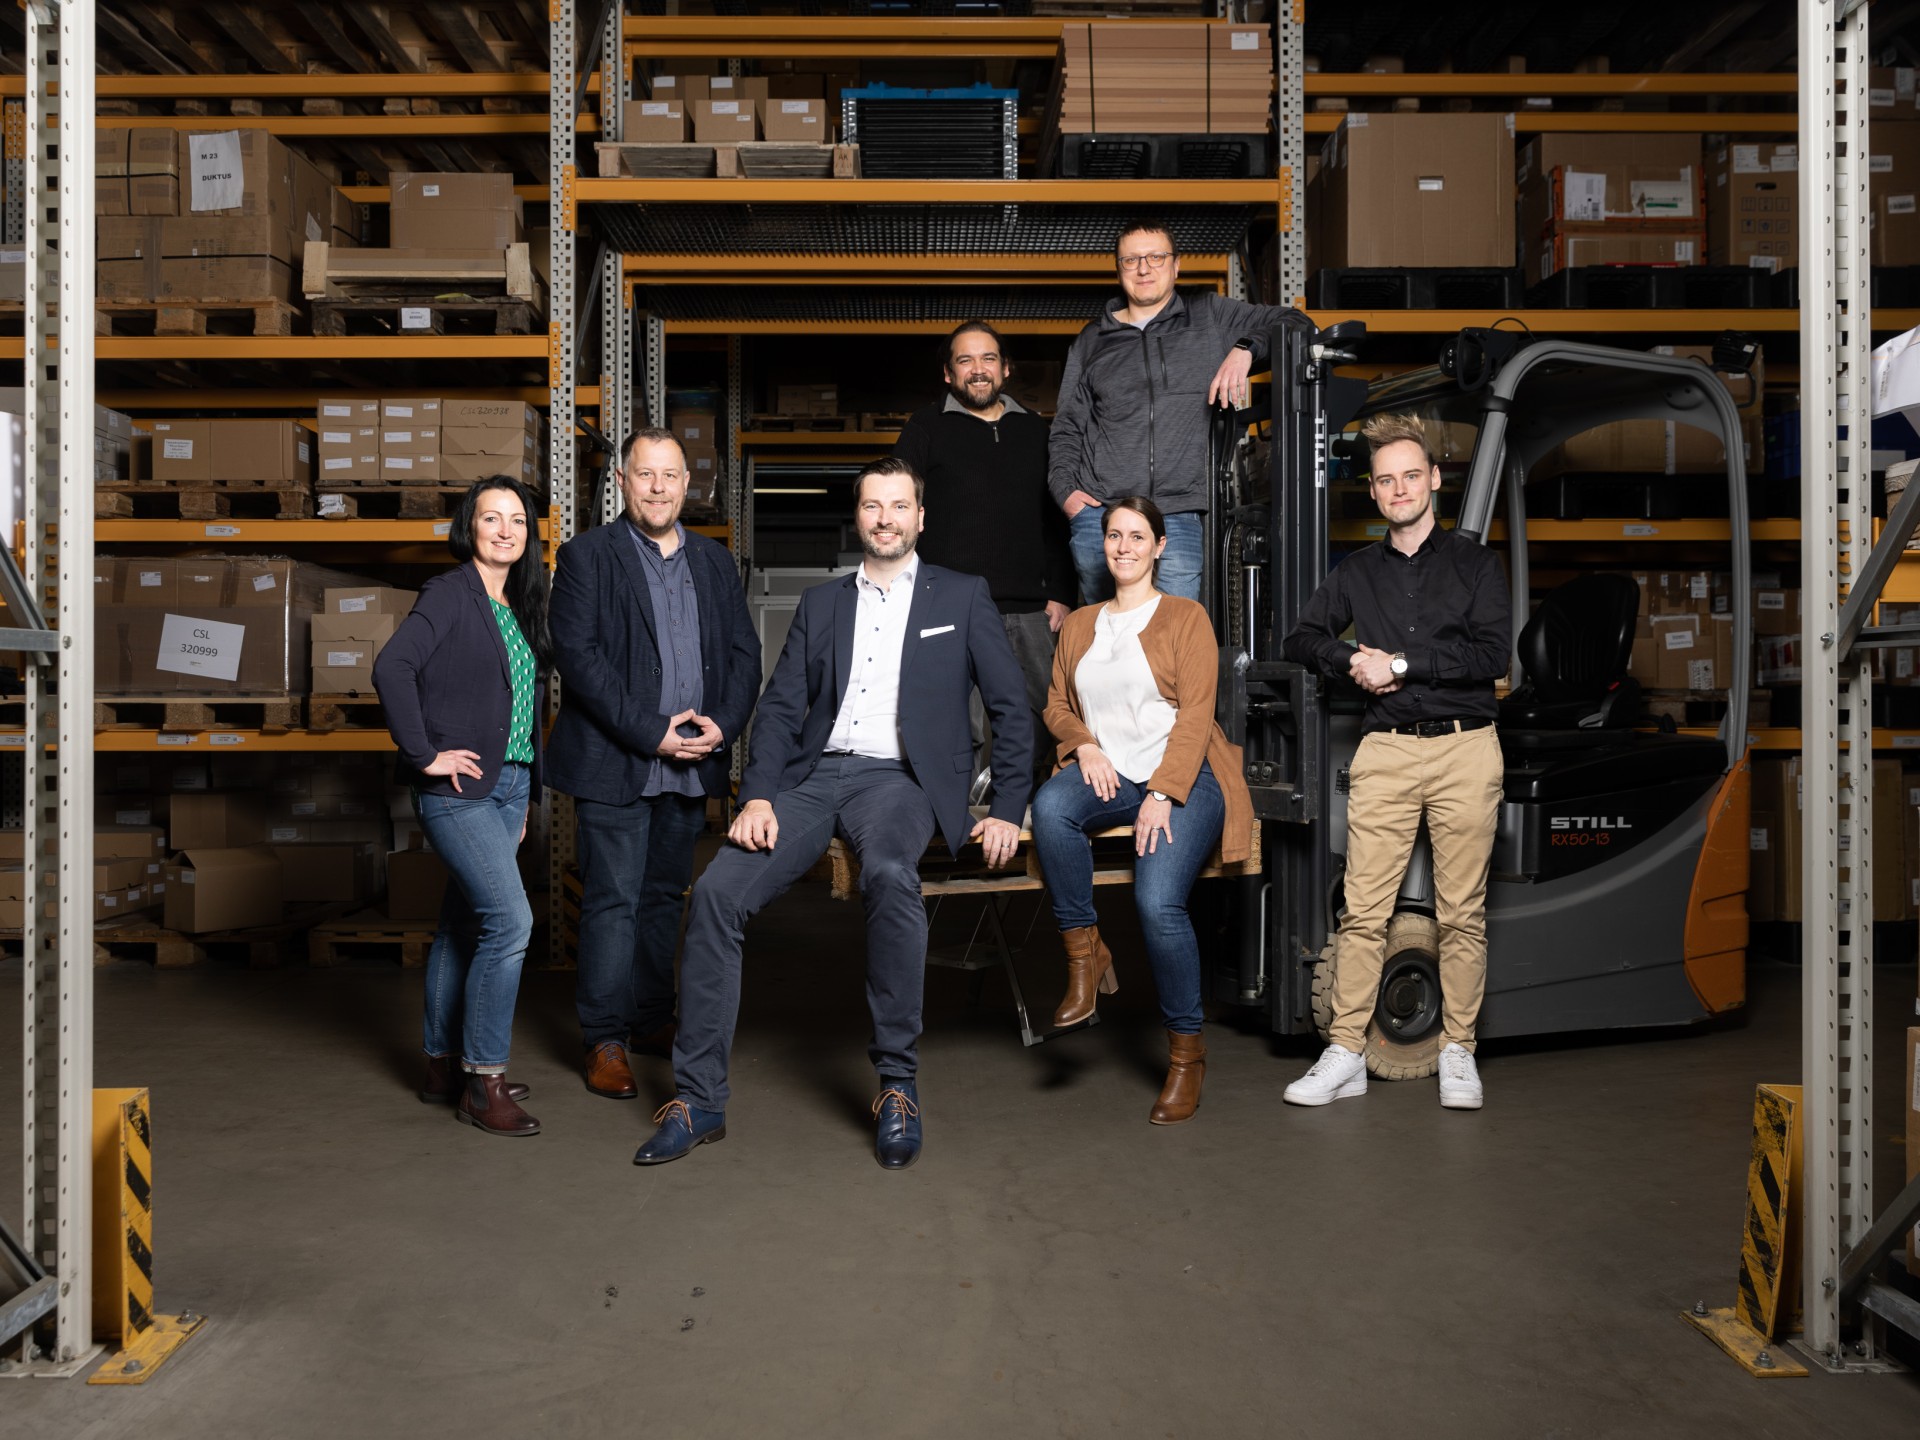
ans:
(473, 969)
(1067, 808)
(636, 862)
(1180, 563)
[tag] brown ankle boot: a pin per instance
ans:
(486, 1105)
(443, 1082)
(1089, 972)
(1186, 1068)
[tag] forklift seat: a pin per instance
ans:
(1574, 652)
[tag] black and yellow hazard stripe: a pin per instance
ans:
(136, 1209)
(1764, 1240)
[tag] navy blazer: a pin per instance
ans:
(955, 642)
(608, 655)
(444, 681)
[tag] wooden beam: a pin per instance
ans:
(1730, 21)
(125, 35)
(320, 21)
(375, 29)
(161, 32)
(250, 38)
(458, 32)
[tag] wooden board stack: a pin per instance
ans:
(1129, 77)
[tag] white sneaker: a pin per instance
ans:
(1338, 1074)
(1460, 1087)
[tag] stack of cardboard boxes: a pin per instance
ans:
(208, 216)
(1773, 890)
(1122, 77)
(231, 454)
(418, 440)
(454, 211)
(727, 110)
(1684, 638)
(1413, 191)
(1893, 163)
(694, 418)
(1610, 200)
(349, 635)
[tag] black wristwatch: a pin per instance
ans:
(1243, 343)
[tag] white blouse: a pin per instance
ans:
(1129, 717)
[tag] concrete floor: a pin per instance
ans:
(1054, 1266)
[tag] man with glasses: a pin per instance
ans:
(659, 665)
(1134, 406)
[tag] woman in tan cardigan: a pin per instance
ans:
(1131, 707)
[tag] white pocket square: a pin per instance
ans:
(936, 630)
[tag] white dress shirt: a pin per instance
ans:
(1123, 707)
(869, 719)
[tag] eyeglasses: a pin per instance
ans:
(645, 477)
(1157, 260)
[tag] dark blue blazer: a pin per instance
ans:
(955, 642)
(444, 682)
(608, 655)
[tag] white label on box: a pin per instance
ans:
(1906, 742)
(336, 437)
(429, 192)
(1746, 160)
(1244, 40)
(1900, 205)
(218, 181)
(337, 462)
(1879, 99)
(1682, 255)
(1771, 600)
(397, 412)
(1663, 198)
(1585, 194)
(314, 229)
(396, 462)
(220, 532)
(1696, 587)
(226, 737)
(200, 647)
(691, 432)
(1700, 674)
(176, 449)
(282, 834)
(1756, 839)
(726, 107)
(18, 742)
(1679, 639)
(173, 739)
(343, 659)
(1903, 82)
(149, 577)
(444, 528)
(1431, 182)
(1786, 158)
(1880, 164)
(396, 437)
(329, 412)
(1633, 531)
(133, 817)
(187, 878)
(355, 604)
(793, 107)
(655, 107)
(416, 317)
(1357, 120)
(263, 582)
(304, 807)
(1768, 263)
(157, 888)
(107, 902)
(331, 505)
(720, 82)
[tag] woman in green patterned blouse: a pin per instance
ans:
(460, 682)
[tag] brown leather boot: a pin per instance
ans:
(608, 1073)
(1186, 1068)
(1089, 971)
(443, 1082)
(659, 1043)
(485, 1105)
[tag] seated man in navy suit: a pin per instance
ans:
(863, 730)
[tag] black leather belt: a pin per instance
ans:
(1428, 729)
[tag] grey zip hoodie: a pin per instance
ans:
(1133, 410)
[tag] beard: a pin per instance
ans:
(966, 396)
(880, 545)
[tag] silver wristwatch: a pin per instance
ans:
(1155, 795)
(1399, 665)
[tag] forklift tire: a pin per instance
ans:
(1413, 951)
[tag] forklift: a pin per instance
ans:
(1617, 894)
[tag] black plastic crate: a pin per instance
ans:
(1607, 287)
(952, 134)
(1163, 157)
(1888, 287)
(1723, 287)
(1444, 288)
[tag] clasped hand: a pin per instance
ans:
(675, 746)
(1372, 671)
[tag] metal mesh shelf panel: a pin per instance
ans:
(879, 303)
(803, 230)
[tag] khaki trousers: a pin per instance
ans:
(1455, 780)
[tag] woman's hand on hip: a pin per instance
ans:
(1155, 818)
(1097, 770)
(453, 764)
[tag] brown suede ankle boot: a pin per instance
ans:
(1186, 1068)
(1089, 972)
(444, 1082)
(486, 1105)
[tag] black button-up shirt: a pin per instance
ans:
(1445, 607)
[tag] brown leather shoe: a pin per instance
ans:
(443, 1081)
(485, 1105)
(1186, 1068)
(608, 1073)
(659, 1044)
(1089, 972)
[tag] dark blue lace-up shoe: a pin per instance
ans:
(896, 1138)
(681, 1128)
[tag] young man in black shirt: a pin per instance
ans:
(1432, 624)
(984, 458)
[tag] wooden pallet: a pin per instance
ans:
(802, 424)
(751, 160)
(399, 315)
(331, 272)
(389, 502)
(369, 934)
(196, 317)
(169, 502)
(190, 715)
(327, 713)
(264, 948)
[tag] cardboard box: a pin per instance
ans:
(232, 277)
(420, 440)
(786, 86)
(725, 122)
(318, 874)
(684, 88)
(701, 427)
(410, 469)
(464, 469)
(455, 211)
(223, 889)
(796, 120)
(275, 453)
(406, 412)
(338, 438)
(369, 600)
(128, 281)
(126, 237)
(354, 465)
(1574, 245)
(153, 152)
(491, 413)
(347, 668)
(1753, 205)
(110, 171)
(737, 87)
(349, 410)
(416, 883)
(157, 195)
(1911, 1095)
(800, 400)
(274, 199)
(1891, 94)
(654, 122)
(219, 819)
(1570, 178)
(1763, 880)
(1776, 612)
(1893, 163)
(182, 451)
(1418, 190)
(508, 443)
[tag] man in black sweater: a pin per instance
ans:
(984, 458)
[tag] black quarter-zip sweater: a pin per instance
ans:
(988, 509)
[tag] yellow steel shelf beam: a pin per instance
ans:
(449, 86)
(301, 402)
(144, 741)
(986, 32)
(1788, 737)
(762, 49)
(383, 194)
(591, 191)
(304, 347)
(1783, 122)
(1330, 83)
(1438, 322)
(273, 532)
(394, 127)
